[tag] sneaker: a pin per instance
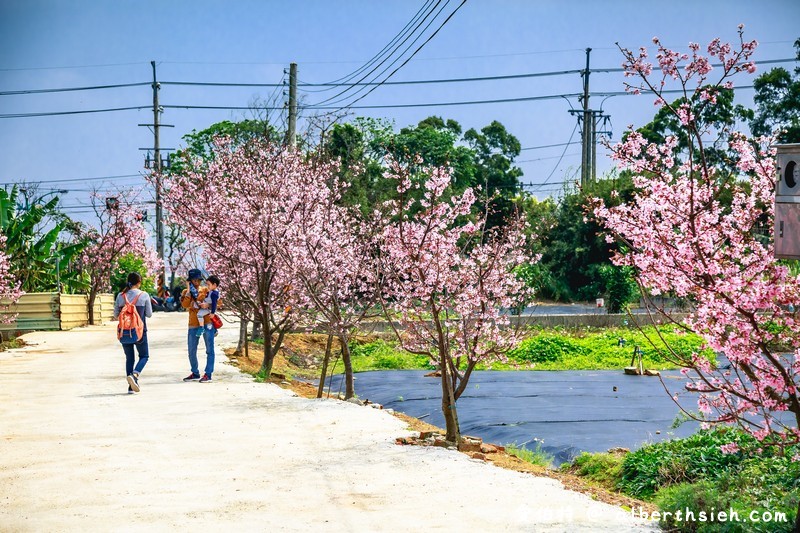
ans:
(130, 390)
(133, 383)
(205, 379)
(192, 377)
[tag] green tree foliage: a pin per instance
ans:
(495, 149)
(37, 244)
(200, 143)
(478, 158)
(777, 101)
(360, 145)
(575, 252)
(131, 263)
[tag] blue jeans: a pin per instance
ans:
(144, 355)
(208, 336)
(194, 341)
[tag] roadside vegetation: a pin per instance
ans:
(694, 473)
(554, 349)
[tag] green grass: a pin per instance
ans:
(536, 456)
(604, 469)
(553, 349)
(385, 355)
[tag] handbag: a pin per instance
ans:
(216, 321)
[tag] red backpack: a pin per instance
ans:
(130, 328)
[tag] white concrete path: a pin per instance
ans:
(77, 453)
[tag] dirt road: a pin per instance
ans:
(78, 453)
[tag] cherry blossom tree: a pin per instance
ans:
(692, 229)
(120, 230)
(447, 280)
(240, 207)
(330, 249)
(9, 286)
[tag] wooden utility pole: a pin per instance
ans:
(291, 133)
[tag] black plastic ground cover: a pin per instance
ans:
(567, 411)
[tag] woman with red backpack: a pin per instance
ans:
(131, 309)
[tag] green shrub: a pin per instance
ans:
(558, 349)
(711, 498)
(546, 347)
(682, 460)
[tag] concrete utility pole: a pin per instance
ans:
(291, 133)
(587, 160)
(157, 170)
(157, 165)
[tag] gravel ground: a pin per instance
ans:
(78, 453)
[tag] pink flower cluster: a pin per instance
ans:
(9, 286)
(692, 231)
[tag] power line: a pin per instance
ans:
(336, 98)
(81, 112)
(390, 106)
(547, 146)
(385, 106)
(562, 154)
(442, 25)
(548, 157)
(368, 84)
(73, 66)
(374, 58)
(70, 89)
(364, 84)
(715, 65)
(67, 180)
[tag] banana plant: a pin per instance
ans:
(38, 257)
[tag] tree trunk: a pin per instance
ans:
(266, 364)
(325, 360)
(92, 298)
(242, 344)
(258, 330)
(349, 388)
(269, 352)
(449, 404)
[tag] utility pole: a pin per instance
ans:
(587, 129)
(157, 170)
(595, 118)
(291, 133)
(157, 165)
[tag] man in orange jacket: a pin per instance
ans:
(191, 299)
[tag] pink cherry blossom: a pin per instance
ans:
(9, 286)
(685, 241)
(446, 284)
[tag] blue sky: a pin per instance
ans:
(51, 44)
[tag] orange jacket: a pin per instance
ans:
(186, 302)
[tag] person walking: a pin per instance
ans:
(131, 294)
(192, 300)
(208, 313)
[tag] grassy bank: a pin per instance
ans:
(694, 474)
(552, 349)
